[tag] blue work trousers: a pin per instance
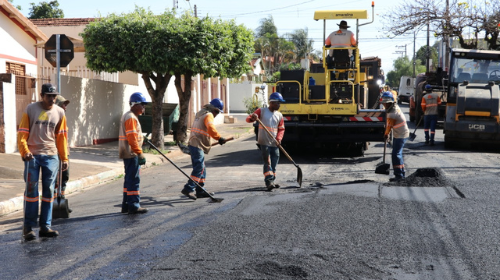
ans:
(397, 157)
(271, 157)
(49, 165)
(131, 195)
(430, 122)
(199, 172)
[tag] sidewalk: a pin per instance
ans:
(93, 165)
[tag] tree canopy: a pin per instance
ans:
(403, 67)
(45, 10)
(465, 21)
(281, 52)
(166, 45)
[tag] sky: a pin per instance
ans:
(288, 15)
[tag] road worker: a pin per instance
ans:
(341, 38)
(274, 122)
(396, 122)
(430, 103)
(394, 93)
(130, 141)
(42, 141)
(199, 144)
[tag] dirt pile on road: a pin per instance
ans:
(424, 177)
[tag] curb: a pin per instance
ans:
(17, 203)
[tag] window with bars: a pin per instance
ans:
(20, 71)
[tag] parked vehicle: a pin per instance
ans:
(406, 89)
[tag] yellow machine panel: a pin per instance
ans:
(341, 14)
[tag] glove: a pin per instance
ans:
(222, 141)
(142, 159)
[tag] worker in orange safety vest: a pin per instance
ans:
(429, 104)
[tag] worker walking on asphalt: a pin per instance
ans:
(130, 150)
(199, 144)
(430, 103)
(63, 102)
(274, 122)
(42, 141)
(396, 122)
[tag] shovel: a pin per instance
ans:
(299, 171)
(413, 135)
(383, 168)
(60, 207)
(198, 185)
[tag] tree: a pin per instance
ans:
(464, 20)
(266, 26)
(433, 55)
(403, 67)
(303, 45)
(162, 46)
(45, 10)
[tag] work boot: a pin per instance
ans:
(48, 233)
(189, 194)
(269, 185)
(396, 179)
(139, 210)
(124, 208)
(28, 234)
(204, 194)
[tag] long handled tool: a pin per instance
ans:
(299, 171)
(383, 168)
(198, 185)
(413, 135)
(185, 148)
(60, 207)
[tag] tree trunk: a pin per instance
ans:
(184, 98)
(157, 93)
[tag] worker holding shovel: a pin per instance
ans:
(42, 141)
(199, 144)
(272, 119)
(396, 122)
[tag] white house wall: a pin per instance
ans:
(16, 46)
(95, 109)
(9, 109)
(241, 91)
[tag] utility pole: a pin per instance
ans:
(402, 46)
(195, 11)
(428, 52)
(414, 52)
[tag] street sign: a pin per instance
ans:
(66, 52)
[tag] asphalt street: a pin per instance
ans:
(346, 222)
